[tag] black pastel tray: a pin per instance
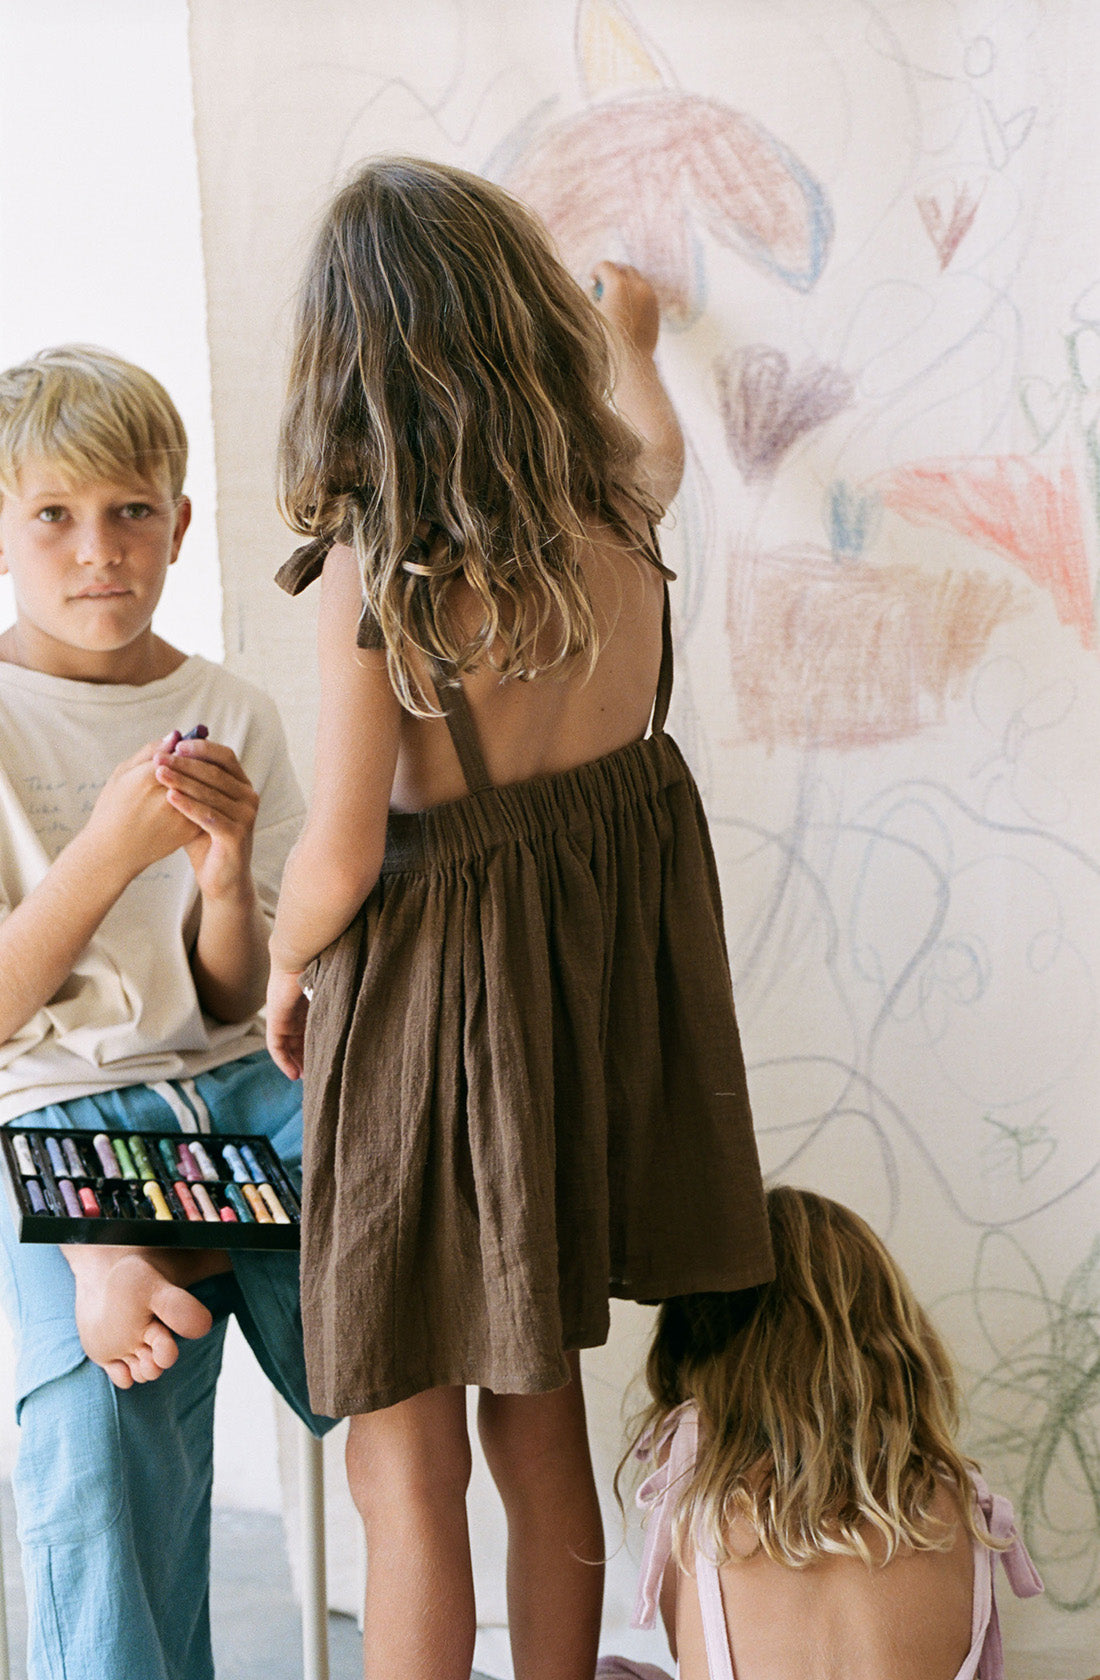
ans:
(128, 1190)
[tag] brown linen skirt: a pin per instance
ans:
(524, 1089)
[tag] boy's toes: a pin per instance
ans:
(180, 1311)
(119, 1373)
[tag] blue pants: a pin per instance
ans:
(112, 1487)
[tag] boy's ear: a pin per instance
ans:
(183, 520)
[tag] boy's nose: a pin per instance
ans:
(98, 546)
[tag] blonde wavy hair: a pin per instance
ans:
(93, 416)
(827, 1402)
(448, 414)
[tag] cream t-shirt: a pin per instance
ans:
(128, 1014)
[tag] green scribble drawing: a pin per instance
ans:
(1025, 1150)
(1036, 1411)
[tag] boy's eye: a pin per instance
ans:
(137, 510)
(50, 515)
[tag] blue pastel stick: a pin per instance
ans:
(254, 1167)
(233, 1160)
(35, 1196)
(57, 1160)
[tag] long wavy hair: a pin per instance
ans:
(448, 414)
(827, 1402)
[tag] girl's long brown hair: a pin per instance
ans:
(827, 1403)
(448, 415)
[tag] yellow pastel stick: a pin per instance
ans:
(278, 1212)
(154, 1194)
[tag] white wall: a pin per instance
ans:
(100, 242)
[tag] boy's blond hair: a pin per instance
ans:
(92, 416)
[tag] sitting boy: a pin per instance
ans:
(138, 873)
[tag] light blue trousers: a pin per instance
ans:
(112, 1487)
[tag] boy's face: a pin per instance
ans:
(87, 566)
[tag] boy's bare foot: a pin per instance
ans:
(132, 1303)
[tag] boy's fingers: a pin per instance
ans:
(119, 1373)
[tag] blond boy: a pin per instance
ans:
(136, 889)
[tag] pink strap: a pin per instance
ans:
(986, 1657)
(680, 1432)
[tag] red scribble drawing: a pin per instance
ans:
(644, 167)
(766, 408)
(1009, 504)
(948, 212)
(852, 656)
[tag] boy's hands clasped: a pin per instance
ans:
(205, 786)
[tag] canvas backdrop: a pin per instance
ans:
(873, 228)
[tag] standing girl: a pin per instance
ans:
(524, 1087)
(810, 1516)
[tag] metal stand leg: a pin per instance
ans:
(311, 1487)
(5, 1665)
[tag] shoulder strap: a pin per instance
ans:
(462, 729)
(664, 679)
(715, 1632)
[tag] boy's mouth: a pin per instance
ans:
(106, 593)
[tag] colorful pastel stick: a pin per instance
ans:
(140, 1157)
(168, 1156)
(187, 1202)
(199, 733)
(74, 1157)
(204, 1204)
(124, 1158)
(189, 1168)
(256, 1203)
(238, 1203)
(202, 1160)
(35, 1196)
(57, 1160)
(101, 1143)
(155, 1195)
(88, 1202)
(24, 1158)
(231, 1155)
(259, 1176)
(68, 1196)
(275, 1206)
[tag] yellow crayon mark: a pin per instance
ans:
(611, 54)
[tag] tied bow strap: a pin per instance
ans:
(679, 1434)
(988, 1651)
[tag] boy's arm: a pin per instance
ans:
(206, 784)
(628, 303)
(131, 826)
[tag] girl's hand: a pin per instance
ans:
(204, 783)
(627, 300)
(287, 1007)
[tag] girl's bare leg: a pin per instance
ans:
(536, 1446)
(408, 1469)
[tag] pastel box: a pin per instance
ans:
(176, 1189)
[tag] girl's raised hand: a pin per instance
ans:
(204, 782)
(627, 300)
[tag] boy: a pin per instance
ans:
(138, 873)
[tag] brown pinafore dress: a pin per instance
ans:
(524, 1089)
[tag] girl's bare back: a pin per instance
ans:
(838, 1619)
(560, 720)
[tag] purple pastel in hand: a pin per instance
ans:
(199, 733)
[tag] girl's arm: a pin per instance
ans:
(629, 304)
(336, 862)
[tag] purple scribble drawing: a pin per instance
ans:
(766, 408)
